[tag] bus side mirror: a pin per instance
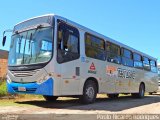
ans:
(4, 41)
(4, 36)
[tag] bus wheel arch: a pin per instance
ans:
(141, 92)
(94, 80)
(141, 89)
(90, 90)
(143, 85)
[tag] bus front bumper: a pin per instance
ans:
(45, 88)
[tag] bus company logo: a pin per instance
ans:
(21, 79)
(111, 71)
(127, 74)
(92, 69)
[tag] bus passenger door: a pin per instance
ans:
(67, 56)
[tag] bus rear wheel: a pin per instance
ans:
(113, 96)
(50, 98)
(141, 92)
(89, 92)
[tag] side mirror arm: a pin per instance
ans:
(4, 37)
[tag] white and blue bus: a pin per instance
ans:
(53, 56)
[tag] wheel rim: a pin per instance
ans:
(90, 92)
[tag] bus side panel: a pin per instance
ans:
(151, 80)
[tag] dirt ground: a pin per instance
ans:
(123, 105)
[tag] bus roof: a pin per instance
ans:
(94, 33)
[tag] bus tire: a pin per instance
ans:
(89, 92)
(50, 98)
(113, 96)
(141, 92)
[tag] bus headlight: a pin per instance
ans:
(41, 80)
(8, 79)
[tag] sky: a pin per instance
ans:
(135, 23)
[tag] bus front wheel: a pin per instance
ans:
(50, 98)
(89, 92)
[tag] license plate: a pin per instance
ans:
(22, 89)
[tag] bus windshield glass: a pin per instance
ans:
(31, 47)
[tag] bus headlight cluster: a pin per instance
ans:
(40, 81)
(8, 79)
(43, 79)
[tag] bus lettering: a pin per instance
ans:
(123, 73)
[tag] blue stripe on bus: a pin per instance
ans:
(45, 88)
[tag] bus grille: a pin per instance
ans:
(24, 73)
(28, 90)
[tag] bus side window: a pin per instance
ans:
(67, 43)
(127, 57)
(113, 53)
(153, 66)
(137, 61)
(94, 47)
(146, 64)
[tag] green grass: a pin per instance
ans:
(8, 102)
(3, 92)
(3, 89)
(12, 102)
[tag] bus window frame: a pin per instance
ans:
(104, 50)
(138, 61)
(113, 53)
(155, 66)
(147, 64)
(122, 56)
(78, 36)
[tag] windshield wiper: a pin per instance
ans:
(20, 40)
(24, 47)
(31, 38)
(30, 47)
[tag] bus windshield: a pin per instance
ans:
(31, 47)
